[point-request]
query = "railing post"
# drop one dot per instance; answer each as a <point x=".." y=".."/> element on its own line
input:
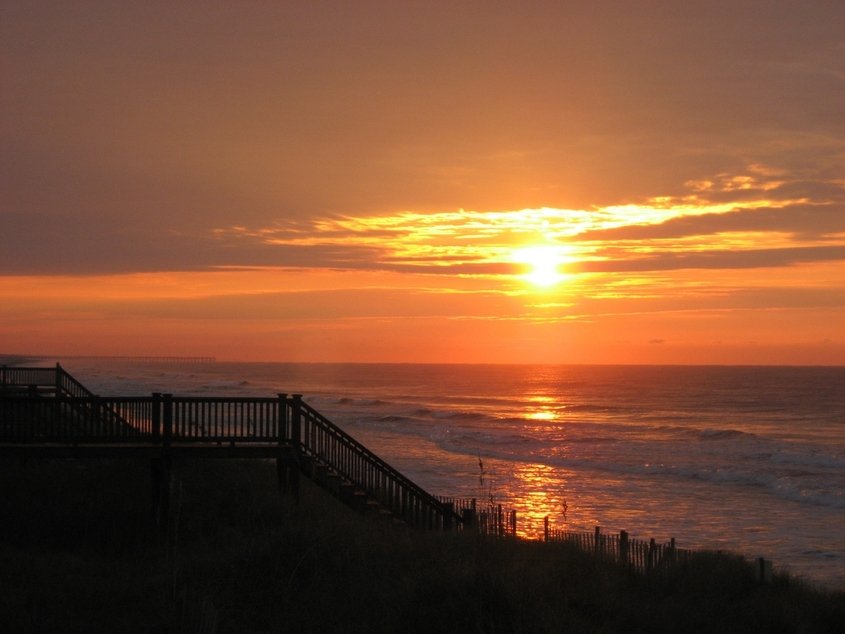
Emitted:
<point x="156" y="417"/>
<point x="97" y="425"/>
<point x="597" y="541"/>
<point x="167" y="401"/>
<point x="546" y="528"/>
<point x="282" y="419"/>
<point x="296" y="421"/>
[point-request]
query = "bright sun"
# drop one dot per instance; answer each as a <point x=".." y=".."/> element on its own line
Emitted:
<point x="544" y="262"/>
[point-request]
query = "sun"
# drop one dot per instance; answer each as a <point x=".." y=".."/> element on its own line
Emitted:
<point x="544" y="263"/>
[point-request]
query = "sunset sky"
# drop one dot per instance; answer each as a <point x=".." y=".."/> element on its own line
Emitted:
<point x="563" y="182"/>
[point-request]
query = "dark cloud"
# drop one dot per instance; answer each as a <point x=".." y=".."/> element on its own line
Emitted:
<point x="716" y="259"/>
<point x="804" y="220"/>
<point x="60" y="245"/>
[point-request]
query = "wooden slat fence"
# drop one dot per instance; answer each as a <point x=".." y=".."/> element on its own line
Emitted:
<point x="642" y="556"/>
<point x="485" y="519"/>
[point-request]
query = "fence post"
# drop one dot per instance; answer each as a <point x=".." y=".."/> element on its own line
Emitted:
<point x="597" y="541"/>
<point x="764" y="570"/>
<point x="58" y="379"/>
<point x="623" y="547"/>
<point x="168" y="418"/>
<point x="652" y="549"/>
<point x="513" y="522"/>
<point x="469" y="517"/>
<point x="546" y="528"/>
<point x="672" y="551"/>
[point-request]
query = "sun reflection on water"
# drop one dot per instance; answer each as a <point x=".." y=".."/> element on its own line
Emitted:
<point x="538" y="491"/>
<point x="543" y="408"/>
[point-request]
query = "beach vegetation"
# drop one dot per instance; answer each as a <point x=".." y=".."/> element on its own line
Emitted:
<point x="80" y="552"/>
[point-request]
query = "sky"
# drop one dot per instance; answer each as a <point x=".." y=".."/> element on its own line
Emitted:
<point x="439" y="182"/>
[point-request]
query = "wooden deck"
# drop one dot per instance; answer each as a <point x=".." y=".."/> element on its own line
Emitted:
<point x="50" y="450"/>
<point x="46" y="413"/>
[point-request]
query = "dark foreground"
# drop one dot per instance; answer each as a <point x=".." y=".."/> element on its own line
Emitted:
<point x="79" y="552"/>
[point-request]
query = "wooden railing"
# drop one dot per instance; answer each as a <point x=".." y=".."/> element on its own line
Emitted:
<point x="75" y="415"/>
<point x="322" y="440"/>
<point x="21" y="379"/>
<point x="66" y="385"/>
<point x="221" y="419"/>
<point x="64" y="419"/>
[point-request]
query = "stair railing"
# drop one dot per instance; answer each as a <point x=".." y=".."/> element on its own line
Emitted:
<point x="321" y="440"/>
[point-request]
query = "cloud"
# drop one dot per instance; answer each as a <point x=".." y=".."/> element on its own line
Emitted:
<point x="715" y="259"/>
<point x="808" y="221"/>
<point x="131" y="135"/>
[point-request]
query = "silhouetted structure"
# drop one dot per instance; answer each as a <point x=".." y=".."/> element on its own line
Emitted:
<point x="45" y="412"/>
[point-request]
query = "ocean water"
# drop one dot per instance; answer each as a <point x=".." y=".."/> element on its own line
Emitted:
<point x="750" y="459"/>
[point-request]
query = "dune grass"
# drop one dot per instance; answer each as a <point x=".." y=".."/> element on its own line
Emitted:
<point x="79" y="552"/>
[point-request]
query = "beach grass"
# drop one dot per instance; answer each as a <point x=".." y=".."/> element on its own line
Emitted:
<point x="80" y="552"/>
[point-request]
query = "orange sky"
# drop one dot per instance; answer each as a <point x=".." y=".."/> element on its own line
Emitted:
<point x="424" y="182"/>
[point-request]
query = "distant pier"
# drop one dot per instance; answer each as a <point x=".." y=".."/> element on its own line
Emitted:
<point x="147" y="359"/>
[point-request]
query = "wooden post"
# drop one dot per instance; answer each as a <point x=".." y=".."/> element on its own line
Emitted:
<point x="546" y="528"/>
<point x="513" y="522"/>
<point x="763" y="570"/>
<point x="58" y="379"/>
<point x="282" y="419"/>
<point x="672" y="551"/>
<point x="597" y="541"/>
<point x="652" y="550"/>
<point x="296" y="421"/>
<point x="468" y="516"/>
<point x="167" y="415"/>
<point x="155" y="421"/>
<point x="623" y="547"/>
<point x="97" y="423"/>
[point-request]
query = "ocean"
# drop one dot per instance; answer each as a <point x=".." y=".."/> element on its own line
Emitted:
<point x="749" y="459"/>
